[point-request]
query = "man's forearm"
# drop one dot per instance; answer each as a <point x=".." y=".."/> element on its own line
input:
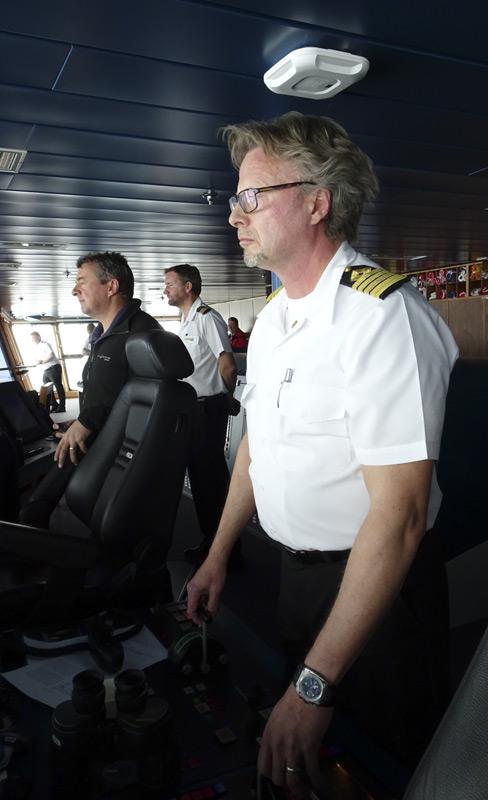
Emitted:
<point x="375" y="571"/>
<point x="377" y="566"/>
<point x="239" y="505"/>
<point x="228" y="371"/>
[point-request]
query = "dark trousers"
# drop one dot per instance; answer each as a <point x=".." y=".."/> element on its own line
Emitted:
<point x="54" y="375"/>
<point x="207" y="466"/>
<point x="397" y="689"/>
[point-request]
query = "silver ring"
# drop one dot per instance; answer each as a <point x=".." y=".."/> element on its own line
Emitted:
<point x="72" y="448"/>
<point x="292" y="769"/>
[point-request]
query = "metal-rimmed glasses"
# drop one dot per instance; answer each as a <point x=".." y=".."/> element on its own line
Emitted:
<point x="248" y="198"/>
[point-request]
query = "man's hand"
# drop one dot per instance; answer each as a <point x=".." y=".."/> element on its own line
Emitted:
<point x="290" y="745"/>
<point x="207" y="583"/>
<point x="71" y="442"/>
<point x="60" y="428"/>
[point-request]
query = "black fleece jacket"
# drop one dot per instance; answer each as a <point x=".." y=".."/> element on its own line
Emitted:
<point x="107" y="370"/>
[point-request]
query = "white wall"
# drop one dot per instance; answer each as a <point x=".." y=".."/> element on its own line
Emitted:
<point x="246" y="311"/>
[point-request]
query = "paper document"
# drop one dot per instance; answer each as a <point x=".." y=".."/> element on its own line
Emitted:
<point x="50" y="680"/>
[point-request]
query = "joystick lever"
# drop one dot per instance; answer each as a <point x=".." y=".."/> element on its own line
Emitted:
<point x="206" y="618"/>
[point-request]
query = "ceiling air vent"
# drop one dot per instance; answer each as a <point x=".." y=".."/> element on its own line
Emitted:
<point x="11" y="160"/>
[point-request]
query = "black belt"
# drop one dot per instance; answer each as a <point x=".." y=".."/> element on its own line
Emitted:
<point x="316" y="556"/>
<point x="208" y="398"/>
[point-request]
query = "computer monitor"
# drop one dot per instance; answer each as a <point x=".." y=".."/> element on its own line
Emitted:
<point x="20" y="415"/>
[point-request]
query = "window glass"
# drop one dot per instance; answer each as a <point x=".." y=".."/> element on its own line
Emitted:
<point x="74" y="368"/>
<point x="73" y="336"/>
<point x="5" y="372"/>
<point x="22" y="334"/>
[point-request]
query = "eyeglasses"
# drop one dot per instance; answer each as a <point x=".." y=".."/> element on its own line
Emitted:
<point x="248" y="198"/>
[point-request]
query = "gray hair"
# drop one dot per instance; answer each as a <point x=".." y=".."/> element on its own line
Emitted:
<point x="324" y="154"/>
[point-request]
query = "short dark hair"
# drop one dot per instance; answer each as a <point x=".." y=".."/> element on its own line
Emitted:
<point x="234" y="319"/>
<point x="187" y="272"/>
<point x="111" y="265"/>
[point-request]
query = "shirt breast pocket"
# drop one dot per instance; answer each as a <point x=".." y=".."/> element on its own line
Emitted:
<point x="193" y="344"/>
<point x="313" y="428"/>
<point x="313" y="405"/>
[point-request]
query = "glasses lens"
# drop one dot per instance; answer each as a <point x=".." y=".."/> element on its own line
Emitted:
<point x="233" y="202"/>
<point x="248" y="200"/>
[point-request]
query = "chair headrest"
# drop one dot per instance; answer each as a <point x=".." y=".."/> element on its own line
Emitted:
<point x="158" y="354"/>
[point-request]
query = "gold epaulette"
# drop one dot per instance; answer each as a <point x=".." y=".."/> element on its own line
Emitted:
<point x="203" y="309"/>
<point x="376" y="282"/>
<point x="273" y="294"/>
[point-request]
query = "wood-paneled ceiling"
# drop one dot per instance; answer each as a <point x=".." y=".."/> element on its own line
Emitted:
<point x="119" y="104"/>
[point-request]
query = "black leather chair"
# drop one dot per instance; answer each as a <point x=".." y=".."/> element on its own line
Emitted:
<point x="108" y="538"/>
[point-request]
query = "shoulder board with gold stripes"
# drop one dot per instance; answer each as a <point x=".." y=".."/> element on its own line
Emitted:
<point x="273" y="294"/>
<point x="203" y="309"/>
<point x="376" y="282"/>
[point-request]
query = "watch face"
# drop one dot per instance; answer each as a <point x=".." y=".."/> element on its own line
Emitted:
<point x="310" y="687"/>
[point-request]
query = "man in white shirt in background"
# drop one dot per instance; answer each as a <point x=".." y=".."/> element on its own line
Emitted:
<point x="52" y="370"/>
<point x="204" y="333"/>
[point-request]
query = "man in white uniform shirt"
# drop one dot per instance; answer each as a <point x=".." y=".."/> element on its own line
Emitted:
<point x="52" y="370"/>
<point x="204" y="334"/>
<point x="348" y="369"/>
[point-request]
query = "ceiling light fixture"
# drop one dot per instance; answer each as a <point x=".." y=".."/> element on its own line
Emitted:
<point x="315" y="73"/>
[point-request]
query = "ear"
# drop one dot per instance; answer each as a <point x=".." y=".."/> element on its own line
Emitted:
<point x="322" y="203"/>
<point x="113" y="287"/>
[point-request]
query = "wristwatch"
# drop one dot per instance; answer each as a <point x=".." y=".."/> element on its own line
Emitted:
<point x="312" y="687"/>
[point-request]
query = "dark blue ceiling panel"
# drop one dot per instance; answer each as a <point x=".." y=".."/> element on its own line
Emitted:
<point x="128" y="149"/>
<point x="25" y="182"/>
<point x="417" y="25"/>
<point x="14" y="135"/>
<point x="20" y="53"/>
<point x="159" y="83"/>
<point x="87" y="168"/>
<point x="109" y="116"/>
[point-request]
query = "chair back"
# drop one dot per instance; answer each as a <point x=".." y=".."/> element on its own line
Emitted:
<point x="127" y="488"/>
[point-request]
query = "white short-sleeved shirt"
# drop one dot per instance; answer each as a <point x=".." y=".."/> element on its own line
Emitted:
<point x="204" y="333"/>
<point x="44" y="350"/>
<point x="337" y="380"/>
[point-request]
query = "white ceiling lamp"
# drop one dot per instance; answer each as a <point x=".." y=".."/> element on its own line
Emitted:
<point x="314" y="73"/>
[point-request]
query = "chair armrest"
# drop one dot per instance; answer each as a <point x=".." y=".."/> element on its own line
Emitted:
<point x="53" y="549"/>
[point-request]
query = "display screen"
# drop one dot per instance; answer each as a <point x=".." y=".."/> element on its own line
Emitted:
<point x="20" y="415"/>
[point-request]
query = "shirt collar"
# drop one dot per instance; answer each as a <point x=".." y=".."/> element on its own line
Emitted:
<point x="325" y="292"/>
<point x="193" y="310"/>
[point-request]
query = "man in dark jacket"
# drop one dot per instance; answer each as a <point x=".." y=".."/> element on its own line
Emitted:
<point x="104" y="287"/>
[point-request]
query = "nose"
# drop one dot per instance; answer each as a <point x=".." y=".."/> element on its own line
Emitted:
<point x="237" y="216"/>
<point x="74" y="290"/>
